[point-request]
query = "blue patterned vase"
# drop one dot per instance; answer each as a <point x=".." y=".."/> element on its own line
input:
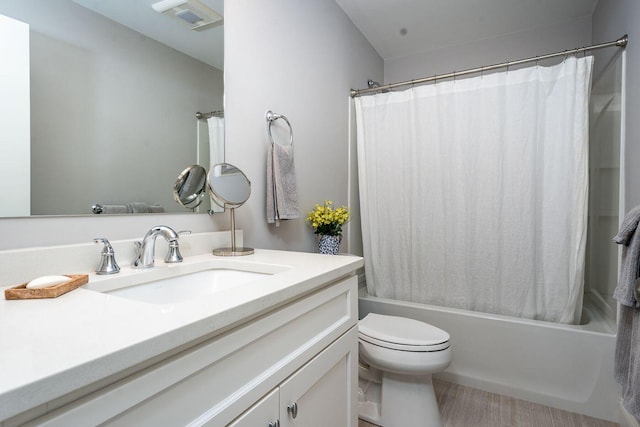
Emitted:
<point x="329" y="244"/>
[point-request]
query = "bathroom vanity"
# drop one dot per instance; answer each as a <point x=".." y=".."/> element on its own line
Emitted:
<point x="278" y="349"/>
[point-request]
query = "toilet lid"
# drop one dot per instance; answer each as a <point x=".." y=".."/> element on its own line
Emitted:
<point x="401" y="332"/>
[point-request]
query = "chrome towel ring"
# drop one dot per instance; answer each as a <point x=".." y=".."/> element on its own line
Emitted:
<point x="272" y="117"/>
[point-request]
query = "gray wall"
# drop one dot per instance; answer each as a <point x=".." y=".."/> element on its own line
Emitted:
<point x="612" y="19"/>
<point x="296" y="58"/>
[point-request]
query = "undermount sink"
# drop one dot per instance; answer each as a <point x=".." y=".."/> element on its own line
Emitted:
<point x="187" y="287"/>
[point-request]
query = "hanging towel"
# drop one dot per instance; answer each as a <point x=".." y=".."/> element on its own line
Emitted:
<point x="627" y="356"/>
<point x="138" y="207"/>
<point x="282" y="195"/>
<point x="626" y="292"/>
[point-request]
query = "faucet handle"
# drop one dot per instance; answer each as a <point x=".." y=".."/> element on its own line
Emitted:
<point x="108" y="264"/>
<point x="173" y="255"/>
<point x="137" y="261"/>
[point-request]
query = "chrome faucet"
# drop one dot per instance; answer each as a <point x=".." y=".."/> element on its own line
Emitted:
<point x="145" y="250"/>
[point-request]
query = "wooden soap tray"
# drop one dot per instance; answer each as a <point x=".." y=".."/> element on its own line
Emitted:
<point x="21" y="291"/>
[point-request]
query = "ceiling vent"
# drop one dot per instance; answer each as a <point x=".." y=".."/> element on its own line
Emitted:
<point x="193" y="14"/>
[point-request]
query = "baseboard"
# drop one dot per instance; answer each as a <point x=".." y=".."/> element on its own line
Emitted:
<point x="626" y="419"/>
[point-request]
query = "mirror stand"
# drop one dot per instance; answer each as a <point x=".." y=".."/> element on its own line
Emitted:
<point x="233" y="250"/>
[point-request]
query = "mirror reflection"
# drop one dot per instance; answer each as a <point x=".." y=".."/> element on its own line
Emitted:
<point x="111" y="111"/>
<point x="189" y="189"/>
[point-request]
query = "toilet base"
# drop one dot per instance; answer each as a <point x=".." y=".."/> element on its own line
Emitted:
<point x="400" y="401"/>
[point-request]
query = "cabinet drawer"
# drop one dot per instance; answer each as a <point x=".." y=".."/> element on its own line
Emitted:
<point x="222" y="377"/>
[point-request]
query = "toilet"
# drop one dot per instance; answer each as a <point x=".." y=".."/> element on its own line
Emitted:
<point x="397" y="358"/>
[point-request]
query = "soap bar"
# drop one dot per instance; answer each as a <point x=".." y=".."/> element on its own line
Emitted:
<point x="47" y="281"/>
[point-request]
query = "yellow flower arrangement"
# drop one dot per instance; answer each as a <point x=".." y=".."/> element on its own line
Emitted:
<point x="326" y="220"/>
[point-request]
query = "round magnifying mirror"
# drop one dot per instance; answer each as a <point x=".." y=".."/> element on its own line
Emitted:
<point x="229" y="188"/>
<point x="229" y="185"/>
<point x="189" y="189"/>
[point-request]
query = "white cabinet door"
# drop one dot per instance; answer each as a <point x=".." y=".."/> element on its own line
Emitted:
<point x="265" y="413"/>
<point x="322" y="393"/>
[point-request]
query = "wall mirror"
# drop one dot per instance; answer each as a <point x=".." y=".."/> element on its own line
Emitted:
<point x="112" y="92"/>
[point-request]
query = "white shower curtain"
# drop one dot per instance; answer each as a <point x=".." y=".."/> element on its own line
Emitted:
<point x="474" y="192"/>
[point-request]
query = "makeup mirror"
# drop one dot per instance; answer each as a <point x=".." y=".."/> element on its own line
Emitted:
<point x="189" y="189"/>
<point x="230" y="188"/>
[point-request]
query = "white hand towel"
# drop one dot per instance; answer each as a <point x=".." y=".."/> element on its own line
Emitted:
<point x="282" y="194"/>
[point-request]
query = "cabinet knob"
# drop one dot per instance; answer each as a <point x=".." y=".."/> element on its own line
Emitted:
<point x="292" y="409"/>
<point x="275" y="423"/>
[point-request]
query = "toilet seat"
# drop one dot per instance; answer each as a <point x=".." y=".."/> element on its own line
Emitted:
<point x="399" y="333"/>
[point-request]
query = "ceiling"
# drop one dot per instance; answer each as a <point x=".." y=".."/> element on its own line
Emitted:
<point x="206" y="45"/>
<point x="398" y="28"/>
<point x="395" y="28"/>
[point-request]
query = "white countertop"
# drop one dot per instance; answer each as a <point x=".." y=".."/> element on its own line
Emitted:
<point x="50" y="347"/>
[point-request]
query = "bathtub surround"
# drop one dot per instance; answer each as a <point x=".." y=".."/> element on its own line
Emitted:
<point x="489" y="212"/>
<point x="627" y="361"/>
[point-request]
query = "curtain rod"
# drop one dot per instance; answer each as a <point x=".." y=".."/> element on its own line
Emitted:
<point x="204" y="116"/>
<point x="621" y="42"/>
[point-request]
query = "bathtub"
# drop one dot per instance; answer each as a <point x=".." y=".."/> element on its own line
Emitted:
<point x="564" y="366"/>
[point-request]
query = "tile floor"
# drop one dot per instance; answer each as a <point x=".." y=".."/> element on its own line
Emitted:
<point x="468" y="407"/>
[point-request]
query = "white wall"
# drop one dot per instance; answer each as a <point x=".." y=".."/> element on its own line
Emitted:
<point x="297" y="58"/>
<point x="554" y="38"/>
<point x="612" y="19"/>
<point x="14" y="117"/>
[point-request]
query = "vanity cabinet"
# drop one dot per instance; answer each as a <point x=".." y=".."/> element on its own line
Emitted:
<point x="318" y="394"/>
<point x="303" y="352"/>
